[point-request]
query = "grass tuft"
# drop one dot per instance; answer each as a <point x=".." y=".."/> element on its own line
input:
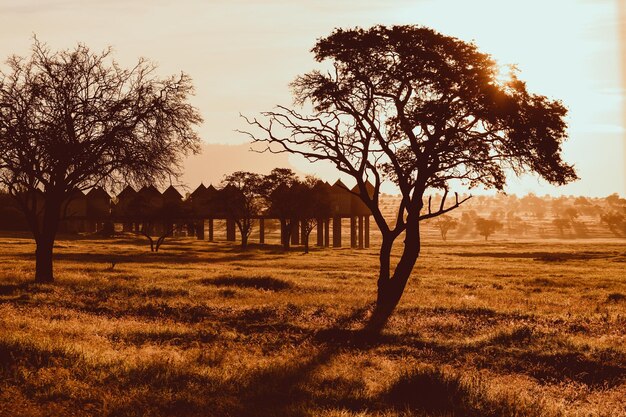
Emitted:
<point x="616" y="297"/>
<point x="266" y="283"/>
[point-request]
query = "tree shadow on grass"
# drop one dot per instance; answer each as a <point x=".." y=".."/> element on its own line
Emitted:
<point x="293" y="389"/>
<point x="262" y="282"/>
<point x="283" y="390"/>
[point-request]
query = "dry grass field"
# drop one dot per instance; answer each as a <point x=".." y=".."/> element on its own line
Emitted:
<point x="498" y="328"/>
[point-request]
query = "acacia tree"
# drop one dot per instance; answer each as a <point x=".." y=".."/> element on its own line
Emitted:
<point x="74" y="119"/>
<point x="424" y="110"/>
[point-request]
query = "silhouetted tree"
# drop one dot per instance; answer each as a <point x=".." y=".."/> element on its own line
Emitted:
<point x="155" y="224"/>
<point x="11" y="217"/>
<point x="572" y="214"/>
<point x="146" y="229"/>
<point x="445" y="223"/>
<point x="421" y="109"/>
<point x="585" y="207"/>
<point x="313" y="205"/>
<point x="487" y="227"/>
<point x="242" y="200"/>
<point x="295" y="202"/>
<point x="74" y="119"/>
<point x="282" y="200"/>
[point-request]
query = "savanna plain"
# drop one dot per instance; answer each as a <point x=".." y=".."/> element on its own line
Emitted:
<point x="502" y="328"/>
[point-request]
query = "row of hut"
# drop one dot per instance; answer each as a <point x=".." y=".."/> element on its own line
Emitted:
<point x="152" y="212"/>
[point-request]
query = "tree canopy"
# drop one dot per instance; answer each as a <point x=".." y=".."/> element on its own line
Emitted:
<point x="421" y="109"/>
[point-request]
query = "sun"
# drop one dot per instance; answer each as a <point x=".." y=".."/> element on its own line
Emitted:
<point x="506" y="73"/>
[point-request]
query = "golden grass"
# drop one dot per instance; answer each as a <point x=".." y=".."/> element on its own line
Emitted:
<point x="484" y="329"/>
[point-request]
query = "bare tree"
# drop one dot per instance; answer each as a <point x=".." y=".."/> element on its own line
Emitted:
<point x="74" y="119"/>
<point x="423" y="110"/>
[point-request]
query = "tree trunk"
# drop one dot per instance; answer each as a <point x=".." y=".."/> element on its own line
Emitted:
<point x="244" y="230"/>
<point x="45" y="240"/>
<point x="391" y="288"/>
<point x="168" y="232"/>
<point x="285" y="233"/>
<point x="144" y="232"/>
<point x="305" y="238"/>
<point x="43" y="260"/>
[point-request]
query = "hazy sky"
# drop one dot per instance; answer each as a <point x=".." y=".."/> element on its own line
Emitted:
<point x="242" y="54"/>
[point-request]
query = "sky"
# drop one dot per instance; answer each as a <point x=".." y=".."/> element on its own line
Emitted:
<point x="242" y="54"/>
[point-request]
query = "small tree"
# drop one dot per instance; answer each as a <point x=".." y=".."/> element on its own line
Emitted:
<point x="282" y="200"/>
<point x="241" y="197"/>
<point x="313" y="205"/>
<point x="73" y="120"/>
<point x="487" y="227"/>
<point x="561" y="225"/>
<point x="445" y="223"/>
<point x="421" y="109"/>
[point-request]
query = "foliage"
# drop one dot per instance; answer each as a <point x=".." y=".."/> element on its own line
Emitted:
<point x="410" y="105"/>
<point x="296" y="202"/>
<point x="241" y="199"/>
<point x="487" y="227"/>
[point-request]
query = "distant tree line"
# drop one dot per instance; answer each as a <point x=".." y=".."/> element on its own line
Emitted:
<point x="244" y="197"/>
<point x="282" y="195"/>
<point x="531" y="215"/>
